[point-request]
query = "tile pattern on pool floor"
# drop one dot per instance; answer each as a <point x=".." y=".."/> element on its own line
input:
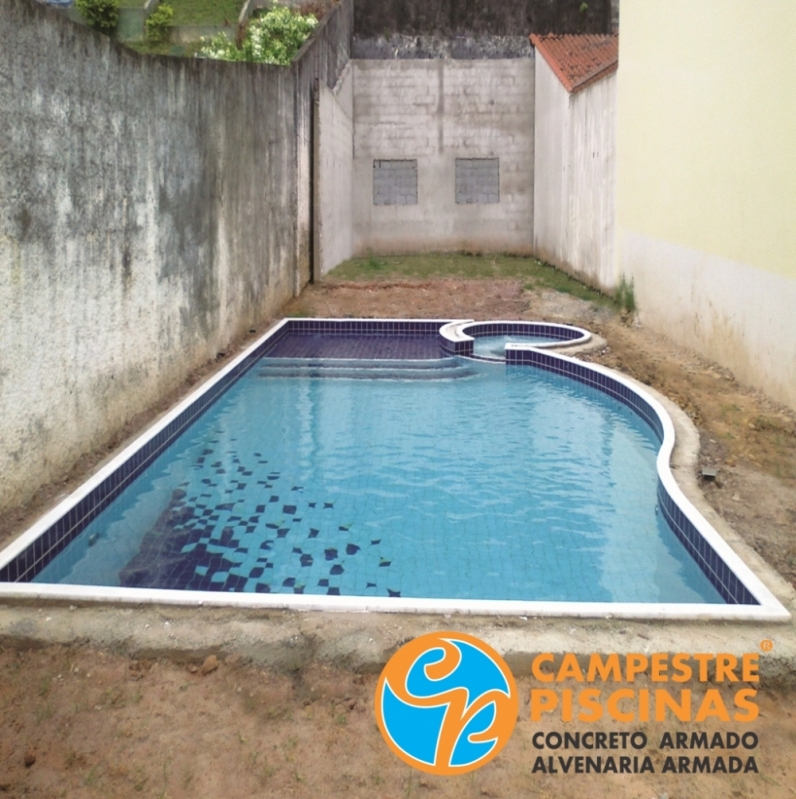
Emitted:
<point x="199" y="545"/>
<point x="208" y="513"/>
<point x="311" y="486"/>
<point x="319" y="345"/>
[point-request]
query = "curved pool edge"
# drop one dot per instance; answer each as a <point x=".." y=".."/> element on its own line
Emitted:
<point x="458" y="336"/>
<point x="169" y="426"/>
<point x="678" y="509"/>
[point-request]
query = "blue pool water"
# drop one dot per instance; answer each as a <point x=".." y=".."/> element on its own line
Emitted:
<point x="495" y="346"/>
<point x="451" y="478"/>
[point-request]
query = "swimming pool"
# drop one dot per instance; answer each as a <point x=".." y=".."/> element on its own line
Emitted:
<point x="289" y="483"/>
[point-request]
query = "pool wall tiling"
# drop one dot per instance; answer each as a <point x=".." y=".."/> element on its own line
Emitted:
<point x="458" y="337"/>
<point x="745" y="594"/>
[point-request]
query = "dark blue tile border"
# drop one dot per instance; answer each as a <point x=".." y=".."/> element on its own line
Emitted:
<point x="732" y="590"/>
<point x="475" y="330"/>
<point x="39" y="553"/>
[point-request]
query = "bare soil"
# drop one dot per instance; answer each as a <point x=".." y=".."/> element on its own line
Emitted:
<point x="95" y="724"/>
<point x="79" y="722"/>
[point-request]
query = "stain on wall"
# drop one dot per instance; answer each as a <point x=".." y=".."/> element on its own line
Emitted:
<point x="148" y="216"/>
<point x="490" y="17"/>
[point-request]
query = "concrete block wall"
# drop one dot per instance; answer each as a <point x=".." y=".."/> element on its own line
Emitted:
<point x="395" y="182"/>
<point x="478" y="180"/>
<point x="435" y="112"/>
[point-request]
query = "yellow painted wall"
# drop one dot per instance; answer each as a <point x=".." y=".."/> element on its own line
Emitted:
<point x="706" y="139"/>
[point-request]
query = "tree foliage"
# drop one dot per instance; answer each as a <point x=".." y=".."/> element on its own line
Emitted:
<point x="273" y="38"/>
<point x="102" y="15"/>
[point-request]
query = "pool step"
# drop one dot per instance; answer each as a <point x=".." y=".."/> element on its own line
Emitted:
<point x="441" y="369"/>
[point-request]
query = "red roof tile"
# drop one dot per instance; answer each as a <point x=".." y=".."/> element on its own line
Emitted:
<point x="579" y="60"/>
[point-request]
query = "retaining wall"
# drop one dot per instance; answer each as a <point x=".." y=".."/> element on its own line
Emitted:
<point x="152" y="210"/>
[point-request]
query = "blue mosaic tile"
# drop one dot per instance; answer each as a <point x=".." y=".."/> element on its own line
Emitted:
<point x="190" y="562"/>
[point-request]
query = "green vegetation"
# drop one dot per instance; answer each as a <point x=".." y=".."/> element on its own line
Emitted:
<point x="102" y="15"/>
<point x="206" y="12"/>
<point x="273" y="38"/>
<point x="158" y="25"/>
<point x="536" y="275"/>
<point x="165" y="48"/>
<point x="625" y="296"/>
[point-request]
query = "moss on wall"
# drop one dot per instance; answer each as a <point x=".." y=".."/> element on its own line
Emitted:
<point x="492" y="17"/>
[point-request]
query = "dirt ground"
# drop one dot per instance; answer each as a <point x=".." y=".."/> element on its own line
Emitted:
<point x="94" y="724"/>
<point x="78" y="722"/>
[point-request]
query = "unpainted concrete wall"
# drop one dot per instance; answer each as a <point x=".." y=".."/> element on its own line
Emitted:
<point x="148" y="216"/>
<point x="322" y="59"/>
<point x="437" y="111"/>
<point x="334" y="160"/>
<point x="574" y="177"/>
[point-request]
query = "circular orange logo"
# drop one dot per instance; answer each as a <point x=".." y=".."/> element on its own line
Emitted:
<point x="446" y="703"/>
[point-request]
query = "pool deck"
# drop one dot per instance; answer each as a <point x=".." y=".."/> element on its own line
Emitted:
<point x="288" y="640"/>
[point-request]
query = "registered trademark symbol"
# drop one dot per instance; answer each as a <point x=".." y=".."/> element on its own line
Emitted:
<point x="766" y="645"/>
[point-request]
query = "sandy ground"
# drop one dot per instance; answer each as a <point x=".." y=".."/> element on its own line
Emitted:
<point x="99" y="725"/>
<point x="80" y="722"/>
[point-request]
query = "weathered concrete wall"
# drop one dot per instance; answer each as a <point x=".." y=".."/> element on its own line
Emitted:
<point x="497" y="17"/>
<point x="550" y="153"/>
<point x="147" y="218"/>
<point x="706" y="180"/>
<point x="334" y="160"/>
<point x="322" y="58"/>
<point x="402" y="45"/>
<point x="574" y="176"/>
<point x="435" y="112"/>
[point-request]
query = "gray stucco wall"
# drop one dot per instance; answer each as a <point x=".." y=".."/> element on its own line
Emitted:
<point x="435" y="111"/>
<point x="334" y="139"/>
<point x="148" y="216"/>
<point x="322" y="59"/>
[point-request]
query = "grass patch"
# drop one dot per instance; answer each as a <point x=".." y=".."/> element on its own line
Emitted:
<point x="206" y="12"/>
<point x="536" y="275"/>
<point x="625" y="296"/>
<point x="165" y="48"/>
<point x="150" y="48"/>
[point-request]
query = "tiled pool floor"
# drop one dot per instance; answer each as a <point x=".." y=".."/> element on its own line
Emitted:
<point x="379" y="347"/>
<point x="467" y="480"/>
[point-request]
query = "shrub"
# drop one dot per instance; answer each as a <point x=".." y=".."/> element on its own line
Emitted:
<point x="273" y="38"/>
<point x="102" y="15"/>
<point x="158" y="24"/>
<point x="625" y="295"/>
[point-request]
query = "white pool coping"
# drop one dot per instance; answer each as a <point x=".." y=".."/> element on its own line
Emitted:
<point x="457" y="331"/>
<point x="770" y="608"/>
